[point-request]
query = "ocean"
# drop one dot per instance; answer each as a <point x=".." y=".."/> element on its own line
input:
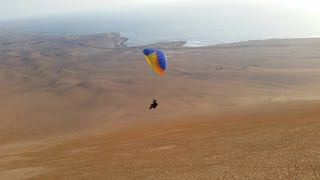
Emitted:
<point x="199" y="26"/>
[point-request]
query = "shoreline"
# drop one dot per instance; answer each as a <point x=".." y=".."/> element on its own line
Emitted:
<point x="120" y="41"/>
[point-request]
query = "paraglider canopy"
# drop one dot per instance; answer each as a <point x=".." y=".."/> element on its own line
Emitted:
<point x="157" y="59"/>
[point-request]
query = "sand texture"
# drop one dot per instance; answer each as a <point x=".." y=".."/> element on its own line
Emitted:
<point x="77" y="107"/>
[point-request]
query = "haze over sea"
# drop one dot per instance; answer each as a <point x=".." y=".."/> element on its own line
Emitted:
<point x="198" y="24"/>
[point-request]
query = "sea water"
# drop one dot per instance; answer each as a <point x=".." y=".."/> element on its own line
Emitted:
<point x="199" y="26"/>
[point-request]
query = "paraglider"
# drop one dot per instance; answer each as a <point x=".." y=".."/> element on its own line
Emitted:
<point x="158" y="61"/>
<point x="154" y="104"/>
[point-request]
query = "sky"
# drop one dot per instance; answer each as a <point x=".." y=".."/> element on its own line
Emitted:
<point x="23" y="9"/>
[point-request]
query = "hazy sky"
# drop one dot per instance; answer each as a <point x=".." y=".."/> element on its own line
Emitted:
<point x="17" y="9"/>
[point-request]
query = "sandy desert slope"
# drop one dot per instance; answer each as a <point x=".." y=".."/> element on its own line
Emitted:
<point x="241" y="111"/>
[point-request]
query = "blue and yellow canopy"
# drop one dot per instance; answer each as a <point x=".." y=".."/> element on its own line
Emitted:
<point x="157" y="59"/>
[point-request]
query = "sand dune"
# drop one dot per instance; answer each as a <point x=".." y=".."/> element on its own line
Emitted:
<point x="69" y="111"/>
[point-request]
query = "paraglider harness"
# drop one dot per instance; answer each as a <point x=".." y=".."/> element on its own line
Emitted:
<point x="154" y="104"/>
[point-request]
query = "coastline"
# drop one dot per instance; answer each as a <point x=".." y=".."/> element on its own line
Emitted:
<point x="111" y="40"/>
<point x="92" y="40"/>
